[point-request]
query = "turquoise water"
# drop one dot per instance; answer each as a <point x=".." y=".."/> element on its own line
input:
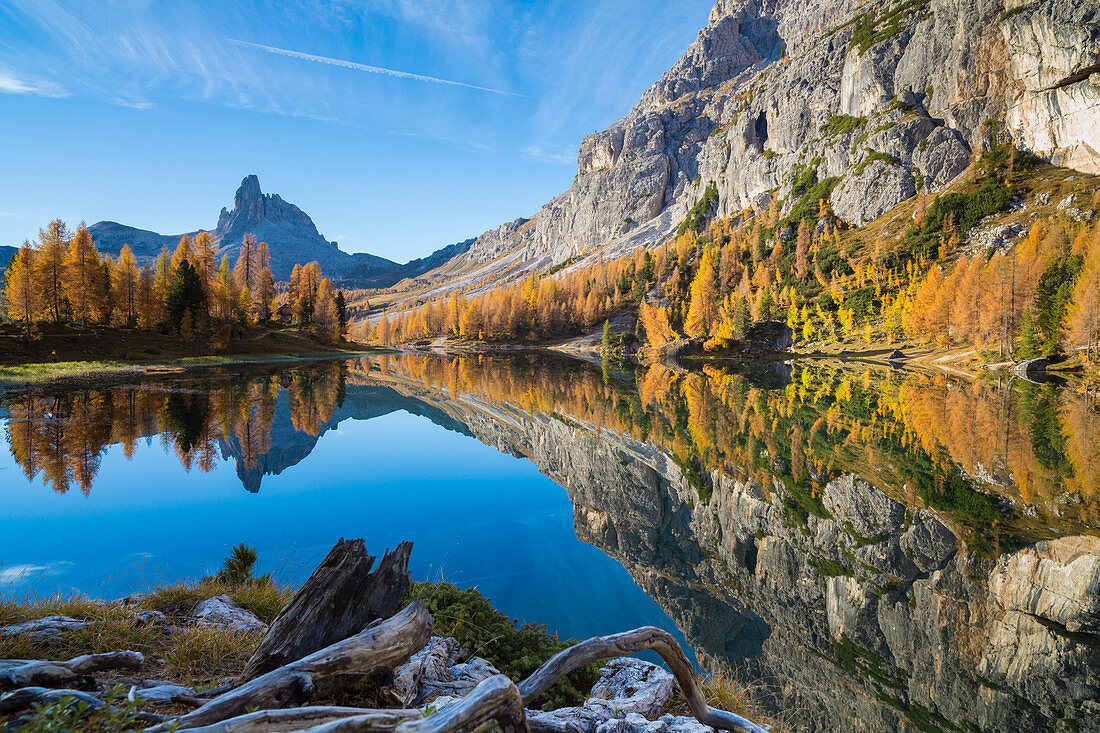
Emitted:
<point x="477" y="517"/>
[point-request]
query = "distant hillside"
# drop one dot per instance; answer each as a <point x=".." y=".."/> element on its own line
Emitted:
<point x="6" y="253"/>
<point x="290" y="232"/>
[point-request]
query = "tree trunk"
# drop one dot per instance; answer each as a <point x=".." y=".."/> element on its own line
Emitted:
<point x="338" y="600"/>
<point x="378" y="648"/>
<point x="296" y="719"/>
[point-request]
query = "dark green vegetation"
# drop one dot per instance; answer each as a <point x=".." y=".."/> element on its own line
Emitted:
<point x="876" y="26"/>
<point x="959" y="211"/>
<point x="515" y="649"/>
<point x="703" y="209"/>
<point x="1051" y="301"/>
<point x="875" y="156"/>
<point x="843" y="124"/>
<point x="238" y="567"/>
<point x="186" y="297"/>
<point x="1006" y="14"/>
<point x="810" y="192"/>
<point x="69" y="716"/>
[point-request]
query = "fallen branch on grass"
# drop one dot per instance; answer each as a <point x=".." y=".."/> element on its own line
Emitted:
<point x="378" y="648"/>
<point x="53" y="674"/>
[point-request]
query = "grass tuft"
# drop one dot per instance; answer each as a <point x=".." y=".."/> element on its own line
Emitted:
<point x="202" y="653"/>
<point x="727" y="692"/>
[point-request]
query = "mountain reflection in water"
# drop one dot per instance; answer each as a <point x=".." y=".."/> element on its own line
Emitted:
<point x="871" y="546"/>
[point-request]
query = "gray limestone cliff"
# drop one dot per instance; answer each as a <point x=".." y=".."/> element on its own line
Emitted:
<point x="772" y="88"/>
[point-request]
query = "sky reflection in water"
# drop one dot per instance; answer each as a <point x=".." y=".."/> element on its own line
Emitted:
<point x="477" y="517"/>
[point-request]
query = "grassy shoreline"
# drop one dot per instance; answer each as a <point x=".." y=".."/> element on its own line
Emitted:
<point x="44" y="373"/>
<point x="179" y="651"/>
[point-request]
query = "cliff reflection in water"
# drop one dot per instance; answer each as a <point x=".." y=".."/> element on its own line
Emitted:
<point x="872" y="547"/>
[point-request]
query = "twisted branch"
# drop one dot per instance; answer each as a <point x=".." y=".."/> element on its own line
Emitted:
<point x="626" y="644"/>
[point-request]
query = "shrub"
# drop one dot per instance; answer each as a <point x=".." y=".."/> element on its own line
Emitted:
<point x="516" y="650"/>
<point x="877" y="26"/>
<point x="699" y="213"/>
<point x="842" y="124"/>
<point x="69" y="714"/>
<point x="238" y="567"/>
<point x="807" y="205"/>
<point x="967" y="209"/>
<point x="872" y="157"/>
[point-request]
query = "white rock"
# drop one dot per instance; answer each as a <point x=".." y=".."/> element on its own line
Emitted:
<point x="629" y="685"/>
<point x="44" y="630"/>
<point x="575" y="720"/>
<point x="222" y="611"/>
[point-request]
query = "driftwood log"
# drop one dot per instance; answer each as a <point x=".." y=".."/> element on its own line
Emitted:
<point x="379" y="648"/>
<point x="318" y="645"/>
<point x="54" y="674"/>
<point x="295" y="719"/>
<point x="495" y="701"/>
<point x="338" y="600"/>
<point x="626" y="644"/>
<point x="25" y="698"/>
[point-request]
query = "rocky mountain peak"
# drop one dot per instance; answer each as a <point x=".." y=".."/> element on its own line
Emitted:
<point x="254" y="211"/>
<point x="248" y="203"/>
<point x="883" y="97"/>
<point x="290" y="233"/>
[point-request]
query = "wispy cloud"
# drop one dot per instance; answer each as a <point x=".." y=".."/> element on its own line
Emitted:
<point x="11" y="85"/>
<point x="562" y="156"/>
<point x="370" y="69"/>
<point x="19" y="574"/>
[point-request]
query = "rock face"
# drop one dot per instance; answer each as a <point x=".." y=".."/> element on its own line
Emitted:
<point x="757" y="97"/>
<point x="290" y="233"/>
<point x="864" y="197"/>
<point x="293" y="234"/>
<point x="858" y="619"/>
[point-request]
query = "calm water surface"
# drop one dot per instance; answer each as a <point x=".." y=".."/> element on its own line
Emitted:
<point x="873" y="549"/>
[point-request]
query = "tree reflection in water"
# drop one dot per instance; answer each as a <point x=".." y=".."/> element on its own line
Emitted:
<point x="62" y="437"/>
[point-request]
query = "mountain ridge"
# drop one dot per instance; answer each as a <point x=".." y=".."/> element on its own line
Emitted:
<point x="887" y="97"/>
<point x="291" y="233"/>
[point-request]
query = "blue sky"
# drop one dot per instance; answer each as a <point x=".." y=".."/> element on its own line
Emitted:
<point x="399" y="125"/>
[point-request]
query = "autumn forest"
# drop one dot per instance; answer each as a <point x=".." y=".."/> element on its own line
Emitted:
<point x="61" y="279"/>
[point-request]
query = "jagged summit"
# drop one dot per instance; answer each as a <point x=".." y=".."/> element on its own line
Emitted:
<point x="290" y="233"/>
<point x="254" y="212"/>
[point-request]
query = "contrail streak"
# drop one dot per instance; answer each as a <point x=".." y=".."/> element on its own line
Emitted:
<point x="364" y="67"/>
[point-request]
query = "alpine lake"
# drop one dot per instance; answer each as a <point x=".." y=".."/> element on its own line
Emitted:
<point x="859" y="543"/>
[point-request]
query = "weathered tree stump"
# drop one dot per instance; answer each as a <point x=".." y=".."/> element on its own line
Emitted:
<point x="382" y="646"/>
<point x="338" y="600"/>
